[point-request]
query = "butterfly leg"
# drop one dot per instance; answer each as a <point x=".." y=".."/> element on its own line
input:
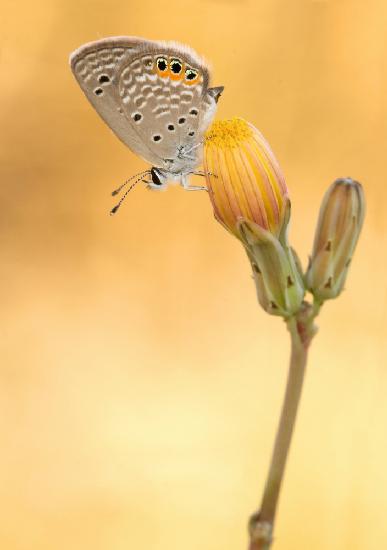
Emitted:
<point x="185" y="184"/>
<point x="204" y="174"/>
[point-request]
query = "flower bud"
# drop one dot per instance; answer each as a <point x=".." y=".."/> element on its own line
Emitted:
<point x="243" y="176"/>
<point x="338" y="229"/>
<point x="250" y="199"/>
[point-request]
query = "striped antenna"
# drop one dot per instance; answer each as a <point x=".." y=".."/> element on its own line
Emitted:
<point x="116" y="207"/>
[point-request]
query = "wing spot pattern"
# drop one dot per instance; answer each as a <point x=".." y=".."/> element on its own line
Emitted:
<point x="81" y="68"/>
<point x="140" y="101"/>
<point x="186" y="97"/>
<point x="105" y="55"/>
<point x="176" y="66"/>
<point x="104" y="79"/>
<point x="136" y="66"/>
<point x="159" y="107"/>
<point x="148" y="62"/>
<point x="162" y="111"/>
<point x="127" y="80"/>
<point x="119" y="52"/>
<point x="175" y="101"/>
<point x="162" y="64"/>
<point x="100" y="61"/>
<point x="146" y="90"/>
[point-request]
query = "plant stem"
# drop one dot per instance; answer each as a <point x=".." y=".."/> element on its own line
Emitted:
<point x="261" y="523"/>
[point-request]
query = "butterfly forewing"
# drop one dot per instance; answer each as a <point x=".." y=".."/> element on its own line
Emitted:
<point x="97" y="67"/>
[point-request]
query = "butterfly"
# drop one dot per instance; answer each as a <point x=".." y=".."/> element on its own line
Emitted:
<point x="157" y="99"/>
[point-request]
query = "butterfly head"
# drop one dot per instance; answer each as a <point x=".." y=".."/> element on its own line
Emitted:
<point x="159" y="178"/>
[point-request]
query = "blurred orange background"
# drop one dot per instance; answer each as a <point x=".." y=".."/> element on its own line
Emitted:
<point x="140" y="382"/>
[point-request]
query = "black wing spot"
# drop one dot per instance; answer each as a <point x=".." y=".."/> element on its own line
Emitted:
<point x="98" y="91"/>
<point x="194" y="112"/>
<point x="191" y="133"/>
<point x="176" y="66"/>
<point x="191" y="74"/>
<point x="137" y="117"/>
<point x="171" y="127"/>
<point x="157" y="138"/>
<point x="181" y="120"/>
<point x="162" y="64"/>
<point x="103" y="79"/>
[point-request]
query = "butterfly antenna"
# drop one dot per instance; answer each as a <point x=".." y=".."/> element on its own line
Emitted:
<point x="142" y="174"/>
<point x="116" y="207"/>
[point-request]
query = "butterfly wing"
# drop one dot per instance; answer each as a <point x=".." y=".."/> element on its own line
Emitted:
<point x="97" y="66"/>
<point x="153" y="95"/>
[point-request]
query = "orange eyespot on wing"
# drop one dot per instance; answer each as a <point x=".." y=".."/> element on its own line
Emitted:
<point x="191" y="76"/>
<point x="162" y="67"/>
<point x="176" y="69"/>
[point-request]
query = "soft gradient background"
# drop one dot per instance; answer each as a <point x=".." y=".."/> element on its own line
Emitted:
<point x="140" y="382"/>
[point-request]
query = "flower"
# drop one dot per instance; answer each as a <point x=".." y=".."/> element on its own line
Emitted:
<point x="243" y="176"/>
<point x="250" y="199"/>
<point x="340" y="221"/>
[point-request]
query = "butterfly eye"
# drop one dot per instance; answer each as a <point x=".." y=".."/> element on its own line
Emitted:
<point x="175" y="66"/>
<point x="191" y="74"/>
<point x="162" y="64"/>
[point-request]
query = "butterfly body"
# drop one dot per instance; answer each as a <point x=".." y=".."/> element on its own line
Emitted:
<point x="156" y="98"/>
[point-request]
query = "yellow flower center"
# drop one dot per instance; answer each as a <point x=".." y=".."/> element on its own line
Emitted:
<point x="229" y="133"/>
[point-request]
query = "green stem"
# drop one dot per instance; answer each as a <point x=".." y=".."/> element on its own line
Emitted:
<point x="261" y="524"/>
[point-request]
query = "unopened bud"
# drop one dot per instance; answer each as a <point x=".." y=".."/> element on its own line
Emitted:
<point x="338" y="229"/>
